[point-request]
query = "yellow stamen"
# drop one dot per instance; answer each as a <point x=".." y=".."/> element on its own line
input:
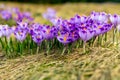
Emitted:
<point x="99" y="27"/>
<point x="84" y="29"/>
<point x="48" y="31"/>
<point x="65" y="37"/>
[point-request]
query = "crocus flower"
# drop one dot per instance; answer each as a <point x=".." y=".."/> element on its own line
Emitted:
<point x="100" y="17"/>
<point x="6" y="15"/>
<point x="101" y="28"/>
<point x="35" y="28"/>
<point x="86" y="34"/>
<point x="15" y="10"/>
<point x="19" y="17"/>
<point x="6" y="30"/>
<point x="28" y="16"/>
<point x="114" y="19"/>
<point x="22" y="26"/>
<point x="21" y="31"/>
<point x="20" y="34"/>
<point x="1" y="34"/>
<point x="37" y="38"/>
<point x="64" y="38"/>
<point x="118" y="27"/>
<point x="49" y="14"/>
<point x="49" y="32"/>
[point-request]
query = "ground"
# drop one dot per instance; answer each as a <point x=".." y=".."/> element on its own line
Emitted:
<point x="101" y="63"/>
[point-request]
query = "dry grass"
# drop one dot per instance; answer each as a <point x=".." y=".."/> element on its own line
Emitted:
<point x="99" y="64"/>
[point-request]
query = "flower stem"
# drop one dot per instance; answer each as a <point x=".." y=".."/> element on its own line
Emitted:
<point x="84" y="47"/>
<point x="64" y="49"/>
<point x="21" y="48"/>
<point x="106" y="37"/>
<point x="114" y="31"/>
<point x="37" y="50"/>
<point x="2" y="43"/>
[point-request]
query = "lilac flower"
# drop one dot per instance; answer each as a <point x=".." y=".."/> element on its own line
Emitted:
<point x="15" y="10"/>
<point x="20" y="34"/>
<point x="49" y="14"/>
<point x="37" y="37"/>
<point x="64" y="38"/>
<point x="34" y="28"/>
<point x="74" y="35"/>
<point x="100" y="17"/>
<point x="21" y="31"/>
<point x="19" y="17"/>
<point x="27" y="15"/>
<point x="114" y="19"/>
<point x="49" y="32"/>
<point x="1" y="34"/>
<point x="6" y="30"/>
<point x="22" y="25"/>
<point x="118" y="27"/>
<point x="23" y="16"/>
<point x="86" y="34"/>
<point x="6" y="15"/>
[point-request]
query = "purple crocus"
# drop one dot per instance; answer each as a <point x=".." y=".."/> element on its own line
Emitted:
<point x="6" y="15"/>
<point x="35" y="30"/>
<point x="100" y="17"/>
<point x="1" y="34"/>
<point x="114" y="19"/>
<point x="86" y="34"/>
<point x="22" y="26"/>
<point x="20" y="34"/>
<point x="6" y="30"/>
<point x="15" y="10"/>
<point x="64" y="38"/>
<point x="101" y="28"/>
<point x="37" y="37"/>
<point x="21" y="31"/>
<point x="20" y="16"/>
<point x="49" y="14"/>
<point x="49" y="32"/>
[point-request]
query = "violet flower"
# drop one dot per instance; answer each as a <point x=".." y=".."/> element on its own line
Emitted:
<point x="49" y="32"/>
<point x="20" y="34"/>
<point x="100" y="17"/>
<point x="64" y="38"/>
<point x="86" y="34"/>
<point x="6" y="15"/>
<point x="114" y="19"/>
<point x="49" y="14"/>
<point x="6" y="30"/>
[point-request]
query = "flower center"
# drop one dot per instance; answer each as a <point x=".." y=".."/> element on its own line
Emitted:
<point x="65" y="37"/>
<point x="48" y="31"/>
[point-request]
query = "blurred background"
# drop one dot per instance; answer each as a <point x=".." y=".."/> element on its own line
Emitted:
<point x="60" y="1"/>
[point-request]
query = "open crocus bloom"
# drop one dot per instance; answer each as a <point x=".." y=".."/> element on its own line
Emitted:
<point x="100" y="17"/>
<point x="37" y="38"/>
<point x="6" y="15"/>
<point x="6" y="30"/>
<point x="20" y="33"/>
<point x="22" y="25"/>
<point x="49" y="32"/>
<point x="86" y="34"/>
<point x="64" y="38"/>
<point x="49" y="14"/>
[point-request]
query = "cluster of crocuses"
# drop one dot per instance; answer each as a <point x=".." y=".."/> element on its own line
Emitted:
<point x="76" y="32"/>
<point x="8" y="13"/>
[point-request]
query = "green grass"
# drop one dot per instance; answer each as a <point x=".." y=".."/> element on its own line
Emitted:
<point x="99" y="64"/>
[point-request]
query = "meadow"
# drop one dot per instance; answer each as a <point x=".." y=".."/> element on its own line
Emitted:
<point x="100" y="63"/>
